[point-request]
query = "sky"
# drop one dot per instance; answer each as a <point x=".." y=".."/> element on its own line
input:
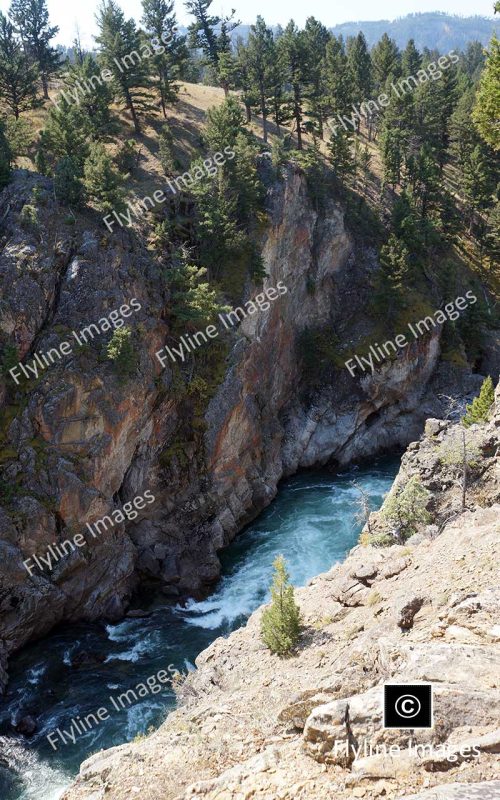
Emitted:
<point x="70" y="13"/>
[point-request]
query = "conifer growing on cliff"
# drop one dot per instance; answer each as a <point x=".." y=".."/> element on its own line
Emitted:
<point x="479" y="410"/>
<point x="281" y="622"/>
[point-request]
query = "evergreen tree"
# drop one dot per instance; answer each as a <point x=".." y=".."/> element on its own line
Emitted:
<point x="169" y="47"/>
<point x="393" y="277"/>
<point x="260" y="57"/>
<point x="340" y="147"/>
<point x="102" y="181"/>
<point x="216" y="46"/>
<point x="83" y="81"/>
<point x="411" y="60"/>
<point x="166" y="150"/>
<point x="277" y="81"/>
<point x="68" y="186"/>
<point x="386" y="61"/>
<point x="242" y="78"/>
<point x="120" y="351"/>
<point x="18" y="76"/>
<point x="293" y="47"/>
<point x="281" y="621"/>
<point x="337" y="77"/>
<point x="359" y="63"/>
<point x="224" y="123"/>
<point x="64" y="134"/>
<point x="486" y="114"/>
<point x="436" y="101"/>
<point x="480" y="409"/>
<point x="121" y="53"/>
<point x="31" y="19"/>
<point x="405" y="509"/>
<point x="316" y="38"/>
<point x="423" y="174"/>
<point x="5" y="158"/>
<point x="41" y="159"/>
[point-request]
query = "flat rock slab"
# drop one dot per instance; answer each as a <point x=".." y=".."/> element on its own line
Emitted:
<point x="486" y="790"/>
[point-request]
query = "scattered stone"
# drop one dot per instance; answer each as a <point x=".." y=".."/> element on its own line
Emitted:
<point x="408" y="611"/>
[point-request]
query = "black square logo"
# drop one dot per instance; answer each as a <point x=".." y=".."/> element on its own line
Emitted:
<point x="407" y="705"/>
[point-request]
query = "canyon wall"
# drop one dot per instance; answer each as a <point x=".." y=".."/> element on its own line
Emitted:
<point x="79" y="441"/>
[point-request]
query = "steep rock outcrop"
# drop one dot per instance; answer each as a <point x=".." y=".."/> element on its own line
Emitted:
<point x="310" y="726"/>
<point x="78" y="442"/>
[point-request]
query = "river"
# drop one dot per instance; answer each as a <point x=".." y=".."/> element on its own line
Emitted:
<point x="76" y="669"/>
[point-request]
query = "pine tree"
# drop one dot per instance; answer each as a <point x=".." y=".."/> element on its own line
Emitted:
<point x="18" y="76"/>
<point x="316" y="38"/>
<point x="405" y="509"/>
<point x="122" y="54"/>
<point x="226" y="65"/>
<point x="5" y="158"/>
<point x="393" y="278"/>
<point x="480" y="409"/>
<point x="385" y="58"/>
<point x="411" y="60"/>
<point x="224" y="123"/>
<point x="340" y="147"/>
<point x="83" y="81"/>
<point x="260" y="56"/>
<point x="41" y="160"/>
<point x="169" y="47"/>
<point x="65" y="135"/>
<point x="31" y="19"/>
<point x="166" y="150"/>
<point x="360" y="68"/>
<point x="102" y="181"/>
<point x="281" y="620"/>
<point x="68" y="186"/>
<point x="486" y="112"/>
<point x="204" y="35"/>
<point x="337" y="77"/>
<point x="293" y="47"/>
<point x="242" y="80"/>
<point x="120" y="351"/>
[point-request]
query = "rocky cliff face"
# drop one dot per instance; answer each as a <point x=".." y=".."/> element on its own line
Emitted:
<point x="310" y="726"/>
<point x="78" y="442"/>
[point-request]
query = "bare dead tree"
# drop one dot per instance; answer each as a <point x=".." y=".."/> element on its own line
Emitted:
<point x="363" y="512"/>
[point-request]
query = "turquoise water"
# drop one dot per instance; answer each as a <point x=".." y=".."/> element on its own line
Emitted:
<point x="311" y="522"/>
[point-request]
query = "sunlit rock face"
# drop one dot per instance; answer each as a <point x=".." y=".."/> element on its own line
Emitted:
<point x="77" y="442"/>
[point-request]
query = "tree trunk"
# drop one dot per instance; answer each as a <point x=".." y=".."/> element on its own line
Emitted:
<point x="263" y="111"/>
<point x="45" y="87"/>
<point x="297" y="115"/>
<point x="248" y="110"/>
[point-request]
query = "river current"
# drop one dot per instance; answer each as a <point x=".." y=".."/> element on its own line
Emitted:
<point x="77" y="669"/>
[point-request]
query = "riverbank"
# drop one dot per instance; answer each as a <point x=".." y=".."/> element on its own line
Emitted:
<point x="73" y="672"/>
<point x="254" y="725"/>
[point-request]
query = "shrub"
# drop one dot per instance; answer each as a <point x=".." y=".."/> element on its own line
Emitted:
<point x="281" y="622"/>
<point x="5" y="157"/>
<point x="29" y="217"/>
<point x="405" y="509"/>
<point x="121" y="351"/>
<point x="102" y="181"/>
<point x="166" y="150"/>
<point x="20" y="135"/>
<point x="479" y="410"/>
<point x="67" y="184"/>
<point x="128" y="157"/>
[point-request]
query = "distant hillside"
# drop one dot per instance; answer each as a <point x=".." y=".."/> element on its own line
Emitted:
<point x="433" y="30"/>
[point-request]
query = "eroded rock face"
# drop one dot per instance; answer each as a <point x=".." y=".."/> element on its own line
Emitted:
<point x="78" y="443"/>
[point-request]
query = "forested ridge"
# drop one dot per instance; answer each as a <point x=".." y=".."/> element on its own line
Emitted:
<point x="417" y="172"/>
